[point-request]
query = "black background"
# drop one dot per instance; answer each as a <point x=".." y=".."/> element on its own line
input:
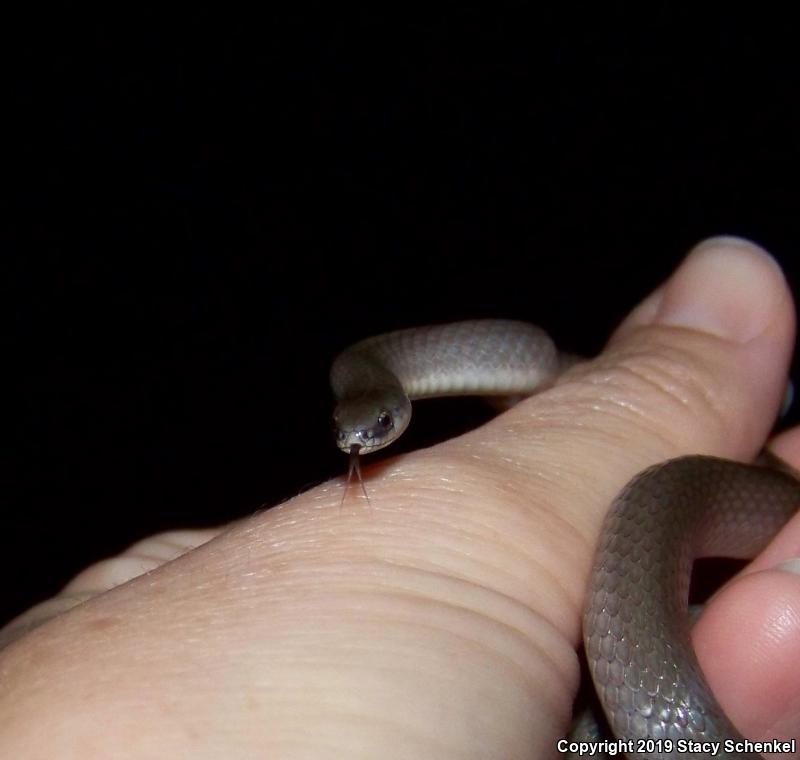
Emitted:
<point x="205" y="208"/>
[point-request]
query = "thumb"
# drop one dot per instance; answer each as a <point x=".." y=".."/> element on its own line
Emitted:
<point x="699" y="367"/>
<point x="748" y="640"/>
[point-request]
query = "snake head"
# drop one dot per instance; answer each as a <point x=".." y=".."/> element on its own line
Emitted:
<point x="371" y="421"/>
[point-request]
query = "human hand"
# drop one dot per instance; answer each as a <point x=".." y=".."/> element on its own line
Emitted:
<point x="442" y="621"/>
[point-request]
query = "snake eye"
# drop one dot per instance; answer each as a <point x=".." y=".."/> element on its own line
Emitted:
<point x="385" y="420"/>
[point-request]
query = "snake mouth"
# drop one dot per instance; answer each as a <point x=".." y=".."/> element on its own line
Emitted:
<point x="362" y="441"/>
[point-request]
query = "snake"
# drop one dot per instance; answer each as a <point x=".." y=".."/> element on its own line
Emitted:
<point x="636" y="626"/>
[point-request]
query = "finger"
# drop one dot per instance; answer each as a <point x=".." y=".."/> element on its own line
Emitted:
<point x="699" y="367"/>
<point x="748" y="640"/>
<point x="142" y="557"/>
<point x="748" y="644"/>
